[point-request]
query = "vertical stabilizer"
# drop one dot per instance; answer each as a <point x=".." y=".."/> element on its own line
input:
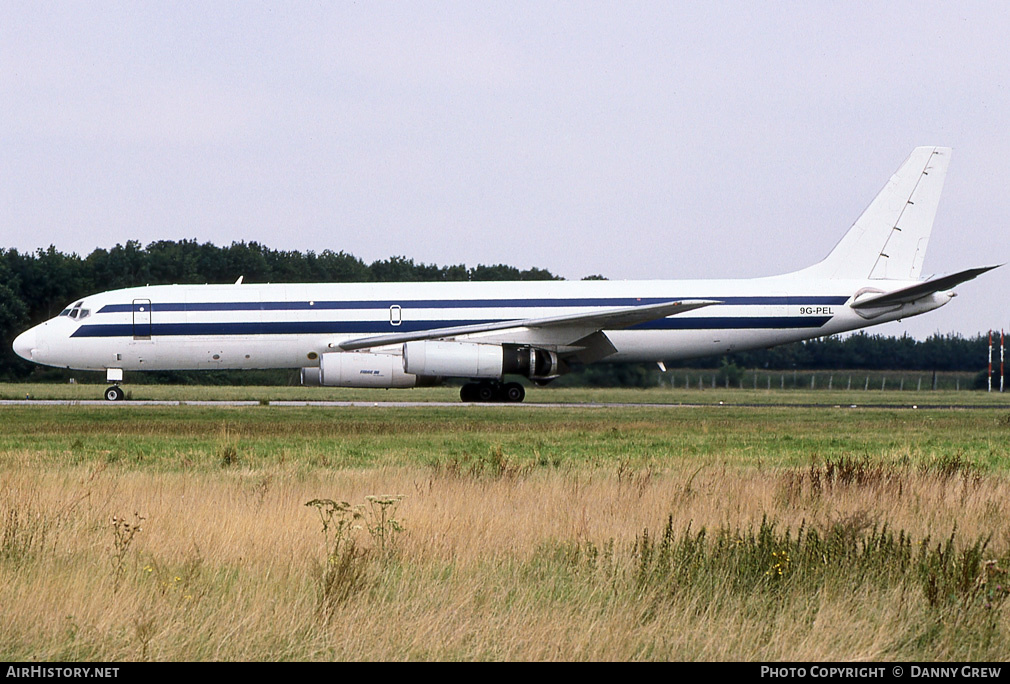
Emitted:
<point x="889" y="240"/>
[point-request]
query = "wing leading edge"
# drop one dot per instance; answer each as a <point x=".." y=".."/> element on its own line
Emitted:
<point x="581" y="324"/>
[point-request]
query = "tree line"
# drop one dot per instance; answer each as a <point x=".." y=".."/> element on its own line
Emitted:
<point x="36" y="286"/>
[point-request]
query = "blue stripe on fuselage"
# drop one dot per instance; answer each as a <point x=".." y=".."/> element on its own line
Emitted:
<point x="465" y="303"/>
<point x="365" y="327"/>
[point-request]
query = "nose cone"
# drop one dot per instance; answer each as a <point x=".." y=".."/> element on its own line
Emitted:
<point x="30" y="346"/>
<point x="25" y="344"/>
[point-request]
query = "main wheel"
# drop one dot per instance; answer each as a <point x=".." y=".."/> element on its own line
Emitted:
<point x="114" y="393"/>
<point x="486" y="392"/>
<point x="514" y="392"/>
<point x="468" y="392"/>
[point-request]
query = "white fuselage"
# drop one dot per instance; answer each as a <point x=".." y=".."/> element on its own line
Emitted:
<point x="183" y="327"/>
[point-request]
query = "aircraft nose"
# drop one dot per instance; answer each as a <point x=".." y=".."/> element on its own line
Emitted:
<point x="25" y="344"/>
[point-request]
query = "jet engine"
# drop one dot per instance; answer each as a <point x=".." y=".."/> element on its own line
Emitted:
<point x="359" y="369"/>
<point x="474" y="360"/>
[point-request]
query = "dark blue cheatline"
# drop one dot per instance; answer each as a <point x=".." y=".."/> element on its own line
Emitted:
<point x="377" y="327"/>
<point x="467" y="303"/>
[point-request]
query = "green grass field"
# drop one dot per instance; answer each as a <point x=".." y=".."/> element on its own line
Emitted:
<point x="811" y="531"/>
<point x="535" y="395"/>
<point x="168" y="437"/>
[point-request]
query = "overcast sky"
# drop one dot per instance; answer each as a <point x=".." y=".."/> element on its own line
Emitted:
<point x="632" y="140"/>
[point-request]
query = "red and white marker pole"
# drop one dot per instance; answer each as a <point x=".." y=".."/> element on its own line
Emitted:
<point x="990" y="361"/>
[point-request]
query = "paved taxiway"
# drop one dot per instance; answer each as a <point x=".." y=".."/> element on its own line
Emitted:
<point x="524" y="405"/>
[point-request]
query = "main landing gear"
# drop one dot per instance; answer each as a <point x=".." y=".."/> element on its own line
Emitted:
<point x="486" y="391"/>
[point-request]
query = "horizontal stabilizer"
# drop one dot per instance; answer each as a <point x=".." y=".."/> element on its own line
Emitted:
<point x="622" y="317"/>
<point x="918" y="290"/>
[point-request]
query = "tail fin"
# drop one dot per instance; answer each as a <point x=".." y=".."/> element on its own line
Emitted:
<point x="889" y="240"/>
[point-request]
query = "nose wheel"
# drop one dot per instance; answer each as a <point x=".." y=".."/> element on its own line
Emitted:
<point x="115" y="393"/>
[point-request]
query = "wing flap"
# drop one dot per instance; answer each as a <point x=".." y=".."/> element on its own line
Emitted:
<point x="584" y="323"/>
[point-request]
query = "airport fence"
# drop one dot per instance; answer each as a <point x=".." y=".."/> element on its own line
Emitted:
<point x="837" y="380"/>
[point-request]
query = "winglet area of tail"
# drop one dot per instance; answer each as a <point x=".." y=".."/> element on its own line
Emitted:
<point x="889" y="239"/>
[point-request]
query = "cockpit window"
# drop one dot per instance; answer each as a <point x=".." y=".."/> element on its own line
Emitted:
<point x="73" y="310"/>
<point x="76" y="312"/>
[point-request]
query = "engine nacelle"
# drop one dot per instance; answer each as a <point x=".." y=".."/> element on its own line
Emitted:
<point x="359" y="369"/>
<point x="474" y="360"/>
<point x="456" y="359"/>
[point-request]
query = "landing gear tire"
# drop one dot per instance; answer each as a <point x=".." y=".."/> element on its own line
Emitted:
<point x="115" y="393"/>
<point x="486" y="392"/>
<point x="468" y="392"/>
<point x="514" y="392"/>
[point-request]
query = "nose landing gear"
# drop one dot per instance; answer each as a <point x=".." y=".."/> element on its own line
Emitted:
<point x="115" y="393"/>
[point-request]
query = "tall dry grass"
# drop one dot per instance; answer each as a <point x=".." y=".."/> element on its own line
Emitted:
<point x="497" y="562"/>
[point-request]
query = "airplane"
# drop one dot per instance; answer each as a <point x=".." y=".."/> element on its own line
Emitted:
<point x="417" y="334"/>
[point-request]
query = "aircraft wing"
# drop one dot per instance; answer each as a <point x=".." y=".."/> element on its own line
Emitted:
<point x="582" y="324"/>
<point x="917" y="291"/>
